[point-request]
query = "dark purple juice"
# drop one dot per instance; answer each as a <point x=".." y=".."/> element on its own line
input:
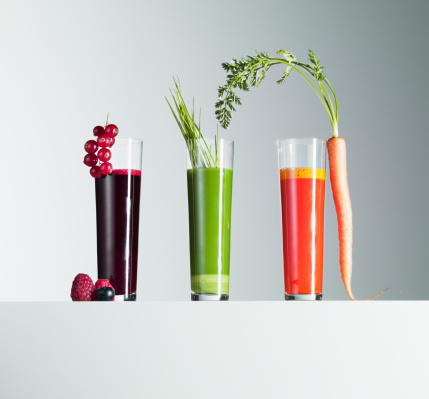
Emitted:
<point x="117" y="199"/>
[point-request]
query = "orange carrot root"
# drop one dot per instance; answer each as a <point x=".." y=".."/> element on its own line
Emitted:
<point x="375" y="296"/>
<point x="340" y="191"/>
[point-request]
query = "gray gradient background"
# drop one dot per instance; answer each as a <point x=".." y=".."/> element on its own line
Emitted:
<point x="65" y="64"/>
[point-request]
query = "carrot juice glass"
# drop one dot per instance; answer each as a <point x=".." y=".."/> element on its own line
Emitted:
<point x="302" y="186"/>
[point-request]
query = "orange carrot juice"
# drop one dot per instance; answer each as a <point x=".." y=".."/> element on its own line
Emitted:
<point x="303" y="202"/>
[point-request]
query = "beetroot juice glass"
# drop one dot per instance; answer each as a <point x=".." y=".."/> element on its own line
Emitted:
<point x="117" y="199"/>
<point x="302" y="186"/>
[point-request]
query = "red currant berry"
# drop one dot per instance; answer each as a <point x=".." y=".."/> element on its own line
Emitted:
<point x="112" y="141"/>
<point x="95" y="171"/>
<point x="91" y="146"/>
<point x="98" y="130"/>
<point x="90" y="160"/>
<point x="106" y="168"/>
<point x="103" y="140"/>
<point x="104" y="154"/>
<point x="111" y="130"/>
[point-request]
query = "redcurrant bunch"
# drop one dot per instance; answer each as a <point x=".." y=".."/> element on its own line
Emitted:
<point x="99" y="161"/>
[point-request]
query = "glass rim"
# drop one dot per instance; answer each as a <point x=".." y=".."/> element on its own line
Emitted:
<point x="127" y="140"/>
<point x="304" y="140"/>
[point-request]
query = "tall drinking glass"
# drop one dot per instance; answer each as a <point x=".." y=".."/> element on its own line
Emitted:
<point x="209" y="174"/>
<point x="302" y="185"/>
<point x="117" y="199"/>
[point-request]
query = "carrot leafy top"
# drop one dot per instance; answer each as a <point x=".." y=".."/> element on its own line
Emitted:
<point x="252" y="70"/>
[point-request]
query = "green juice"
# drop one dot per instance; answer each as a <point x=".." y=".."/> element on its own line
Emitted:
<point x="209" y="201"/>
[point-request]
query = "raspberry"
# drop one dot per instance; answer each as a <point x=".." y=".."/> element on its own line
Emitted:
<point x="82" y="288"/>
<point x="102" y="283"/>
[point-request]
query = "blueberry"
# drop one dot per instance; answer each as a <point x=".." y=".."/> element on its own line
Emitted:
<point x="104" y="294"/>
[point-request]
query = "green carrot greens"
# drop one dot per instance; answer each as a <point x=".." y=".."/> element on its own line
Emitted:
<point x="252" y="70"/>
<point x="200" y="153"/>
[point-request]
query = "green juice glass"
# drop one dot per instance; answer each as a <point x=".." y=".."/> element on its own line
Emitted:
<point x="209" y="175"/>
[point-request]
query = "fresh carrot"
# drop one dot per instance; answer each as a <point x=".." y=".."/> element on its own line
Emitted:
<point x="340" y="192"/>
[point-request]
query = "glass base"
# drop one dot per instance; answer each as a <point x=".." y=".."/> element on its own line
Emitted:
<point x="126" y="297"/>
<point x="209" y="297"/>
<point x="306" y="297"/>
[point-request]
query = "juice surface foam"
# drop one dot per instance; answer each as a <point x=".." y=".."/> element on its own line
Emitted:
<point x="133" y="172"/>
<point x="301" y="173"/>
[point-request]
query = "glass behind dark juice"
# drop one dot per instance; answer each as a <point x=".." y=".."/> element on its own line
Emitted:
<point x="118" y="209"/>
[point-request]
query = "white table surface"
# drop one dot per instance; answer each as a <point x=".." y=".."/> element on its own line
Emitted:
<point x="214" y="350"/>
